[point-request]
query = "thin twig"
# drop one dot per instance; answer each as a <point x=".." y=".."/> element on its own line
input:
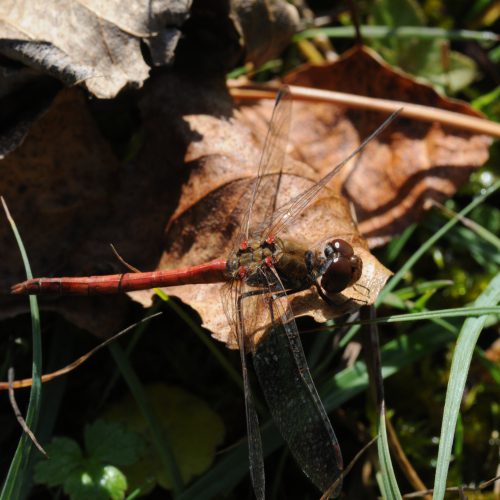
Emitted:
<point x="18" y="384"/>
<point x="331" y="490"/>
<point x="404" y="463"/>
<point x="410" y="110"/>
<point x="18" y="414"/>
<point x="454" y="489"/>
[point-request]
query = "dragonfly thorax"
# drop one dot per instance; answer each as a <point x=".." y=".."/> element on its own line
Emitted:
<point x="253" y="260"/>
<point x="335" y="264"/>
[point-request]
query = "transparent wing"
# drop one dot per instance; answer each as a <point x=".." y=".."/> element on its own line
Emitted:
<point x="233" y="299"/>
<point x="291" y="395"/>
<point x="288" y="212"/>
<point x="271" y="162"/>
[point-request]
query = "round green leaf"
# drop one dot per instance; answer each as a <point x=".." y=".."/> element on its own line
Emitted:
<point x="191" y="427"/>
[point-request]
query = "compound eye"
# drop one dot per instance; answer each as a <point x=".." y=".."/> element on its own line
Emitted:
<point x="338" y="276"/>
<point x="342" y="247"/>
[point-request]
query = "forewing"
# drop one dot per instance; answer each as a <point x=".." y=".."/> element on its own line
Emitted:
<point x="291" y="395"/>
<point x="288" y="212"/>
<point x="271" y="164"/>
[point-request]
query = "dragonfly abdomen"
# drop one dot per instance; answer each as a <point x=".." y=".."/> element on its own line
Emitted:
<point x="215" y="271"/>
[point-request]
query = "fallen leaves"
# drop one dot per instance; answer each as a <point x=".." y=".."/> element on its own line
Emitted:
<point x="403" y="170"/>
<point x="98" y="44"/>
<point x="178" y="201"/>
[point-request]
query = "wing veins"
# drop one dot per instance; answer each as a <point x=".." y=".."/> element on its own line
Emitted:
<point x="288" y="212"/>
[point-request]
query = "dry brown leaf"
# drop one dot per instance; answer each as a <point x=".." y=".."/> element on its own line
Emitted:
<point x="265" y="27"/>
<point x="396" y="176"/>
<point x="206" y="221"/>
<point x="57" y="185"/>
<point x="196" y="162"/>
<point x="208" y="226"/>
<point x="98" y="43"/>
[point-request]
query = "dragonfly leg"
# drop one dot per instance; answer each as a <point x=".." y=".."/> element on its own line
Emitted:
<point x="365" y="289"/>
<point x="333" y="303"/>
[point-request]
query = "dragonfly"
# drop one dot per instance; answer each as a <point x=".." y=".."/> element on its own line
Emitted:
<point x="260" y="273"/>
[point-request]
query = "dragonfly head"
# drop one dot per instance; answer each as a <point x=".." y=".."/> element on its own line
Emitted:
<point x="344" y="267"/>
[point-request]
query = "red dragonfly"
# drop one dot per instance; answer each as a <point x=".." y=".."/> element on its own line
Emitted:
<point x="261" y="271"/>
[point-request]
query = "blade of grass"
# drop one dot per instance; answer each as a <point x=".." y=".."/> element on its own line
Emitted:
<point x="395" y="246"/>
<point x="371" y="351"/>
<point x="438" y="314"/>
<point x="457" y="312"/>
<point x="20" y="465"/>
<point x="421" y="32"/>
<point x="221" y="359"/>
<point x="471" y="225"/>
<point x="59" y="353"/>
<point x="396" y="354"/>
<point x="433" y="239"/>
<point x="458" y="375"/>
<point x="398" y="298"/>
<point x="160" y="441"/>
<point x="388" y="483"/>
<point x="137" y="335"/>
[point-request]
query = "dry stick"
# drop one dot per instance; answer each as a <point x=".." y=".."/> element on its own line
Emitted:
<point x="331" y="490"/>
<point x="410" y="110"/>
<point x="455" y="489"/>
<point x="466" y="222"/>
<point x="18" y="414"/>
<point x="354" y="10"/>
<point x="18" y="384"/>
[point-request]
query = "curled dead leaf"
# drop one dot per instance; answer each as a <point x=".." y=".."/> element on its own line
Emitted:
<point x="195" y="164"/>
<point x="98" y="44"/>
<point x="209" y="226"/>
<point x="265" y="27"/>
<point x="398" y="173"/>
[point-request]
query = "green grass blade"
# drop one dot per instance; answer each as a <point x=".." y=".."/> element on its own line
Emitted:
<point x="395" y="246"/>
<point x="433" y="239"/>
<point x="159" y="439"/>
<point x="410" y="292"/>
<point x="458" y="375"/>
<point x="373" y="360"/>
<point x="400" y="32"/>
<point x="389" y="485"/>
<point x="396" y="354"/>
<point x="233" y="374"/>
<point x="20" y="465"/>
<point x="457" y="312"/>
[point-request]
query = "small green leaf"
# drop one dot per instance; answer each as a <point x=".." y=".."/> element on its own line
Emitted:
<point x="398" y="13"/>
<point x="65" y="457"/>
<point x="96" y="481"/>
<point x="193" y="429"/>
<point x="108" y="444"/>
<point x="112" y="443"/>
<point x="446" y="69"/>
<point x="430" y="58"/>
<point x="113" y="481"/>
